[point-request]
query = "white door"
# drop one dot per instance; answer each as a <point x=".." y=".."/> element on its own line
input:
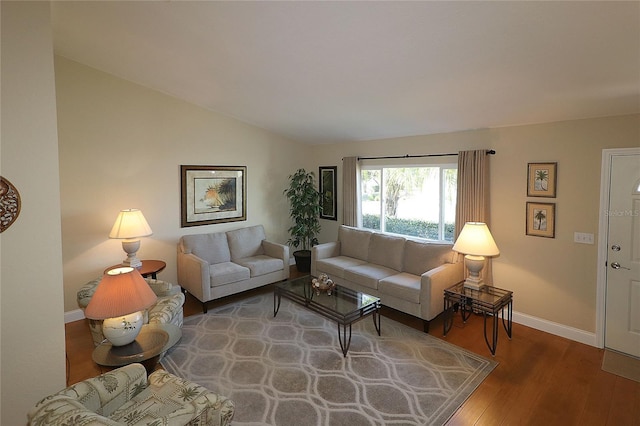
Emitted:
<point x="622" y="323"/>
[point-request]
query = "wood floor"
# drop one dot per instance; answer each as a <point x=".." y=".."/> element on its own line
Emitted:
<point x="541" y="379"/>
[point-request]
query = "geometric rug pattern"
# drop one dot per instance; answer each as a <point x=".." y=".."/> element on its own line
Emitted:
<point x="289" y="370"/>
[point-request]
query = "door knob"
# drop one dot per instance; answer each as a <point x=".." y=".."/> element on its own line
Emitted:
<point x="616" y="265"/>
<point x="615" y="247"/>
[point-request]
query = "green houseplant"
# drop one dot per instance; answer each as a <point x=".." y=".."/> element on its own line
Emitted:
<point x="304" y="210"/>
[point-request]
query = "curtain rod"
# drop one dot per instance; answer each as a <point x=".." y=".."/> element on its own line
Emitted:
<point x="489" y="151"/>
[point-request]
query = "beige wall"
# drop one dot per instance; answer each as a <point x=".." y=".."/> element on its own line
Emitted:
<point x="552" y="279"/>
<point x="31" y="295"/>
<point x="121" y="146"/>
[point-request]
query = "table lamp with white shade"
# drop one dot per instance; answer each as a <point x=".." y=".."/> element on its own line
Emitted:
<point x="130" y="225"/>
<point x="475" y="242"/>
<point x="119" y="300"/>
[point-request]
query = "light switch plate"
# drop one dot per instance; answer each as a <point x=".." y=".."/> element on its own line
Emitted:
<point x="583" y="238"/>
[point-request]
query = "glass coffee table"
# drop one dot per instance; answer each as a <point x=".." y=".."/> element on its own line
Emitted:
<point x="344" y="306"/>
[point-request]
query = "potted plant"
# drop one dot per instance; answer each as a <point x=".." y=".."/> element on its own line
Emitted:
<point x="304" y="203"/>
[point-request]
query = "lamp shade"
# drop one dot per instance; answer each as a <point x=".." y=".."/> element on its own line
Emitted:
<point x="121" y="291"/>
<point x="130" y="223"/>
<point x="475" y="239"/>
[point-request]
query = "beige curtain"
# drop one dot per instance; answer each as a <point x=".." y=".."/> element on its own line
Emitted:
<point x="472" y="203"/>
<point x="350" y="190"/>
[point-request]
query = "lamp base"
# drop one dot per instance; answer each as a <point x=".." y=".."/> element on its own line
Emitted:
<point x="474" y="264"/>
<point x="131" y="247"/>
<point x="132" y="262"/>
<point x="122" y="330"/>
<point x="474" y="284"/>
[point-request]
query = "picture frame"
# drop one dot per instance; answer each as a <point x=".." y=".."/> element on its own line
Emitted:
<point x="213" y="194"/>
<point x="541" y="219"/>
<point x="541" y="179"/>
<point x="327" y="186"/>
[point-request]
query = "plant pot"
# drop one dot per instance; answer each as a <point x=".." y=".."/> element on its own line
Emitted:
<point x="303" y="260"/>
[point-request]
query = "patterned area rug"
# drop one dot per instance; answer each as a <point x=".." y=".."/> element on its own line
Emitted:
<point x="289" y="370"/>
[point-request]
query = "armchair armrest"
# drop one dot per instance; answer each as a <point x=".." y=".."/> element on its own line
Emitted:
<point x="323" y="251"/>
<point x="94" y="398"/>
<point x="279" y="251"/>
<point x="163" y="288"/>
<point x="196" y="402"/>
<point x="193" y="275"/>
<point x="86" y="292"/>
<point x="432" y="285"/>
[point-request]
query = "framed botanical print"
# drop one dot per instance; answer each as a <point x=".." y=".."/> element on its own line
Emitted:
<point x="541" y="180"/>
<point x="541" y="219"/>
<point x="213" y="194"/>
<point x="327" y="182"/>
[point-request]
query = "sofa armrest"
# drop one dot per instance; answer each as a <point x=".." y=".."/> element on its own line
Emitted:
<point x="433" y="283"/>
<point x="279" y="251"/>
<point x="323" y="251"/>
<point x="193" y="275"/>
<point x="94" y="398"/>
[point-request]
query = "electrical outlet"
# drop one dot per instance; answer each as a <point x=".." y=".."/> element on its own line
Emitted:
<point x="582" y="238"/>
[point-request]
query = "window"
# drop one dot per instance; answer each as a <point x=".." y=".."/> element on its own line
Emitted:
<point x="416" y="200"/>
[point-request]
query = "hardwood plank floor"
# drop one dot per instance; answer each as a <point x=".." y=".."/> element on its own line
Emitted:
<point x="541" y="379"/>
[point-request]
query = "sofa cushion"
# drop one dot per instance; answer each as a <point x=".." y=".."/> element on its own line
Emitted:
<point x="211" y="247"/>
<point x="403" y="286"/>
<point x="261" y="265"/>
<point x="335" y="266"/>
<point x="246" y="242"/>
<point x="354" y="242"/>
<point x="368" y="274"/>
<point x="386" y="250"/>
<point x="227" y="273"/>
<point x="422" y="257"/>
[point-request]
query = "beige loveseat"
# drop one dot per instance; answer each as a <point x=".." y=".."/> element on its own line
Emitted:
<point x="219" y="264"/>
<point x="406" y="275"/>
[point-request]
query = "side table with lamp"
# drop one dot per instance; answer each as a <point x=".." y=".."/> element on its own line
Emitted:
<point x="473" y="295"/>
<point x="119" y="300"/>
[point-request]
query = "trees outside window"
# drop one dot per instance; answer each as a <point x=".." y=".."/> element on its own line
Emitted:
<point x="417" y="201"/>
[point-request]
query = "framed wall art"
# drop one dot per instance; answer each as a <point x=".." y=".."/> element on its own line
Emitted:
<point x="328" y="190"/>
<point x="541" y="180"/>
<point x="541" y="219"/>
<point x="213" y="194"/>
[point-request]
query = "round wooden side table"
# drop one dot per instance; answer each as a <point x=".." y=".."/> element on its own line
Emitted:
<point x="153" y="340"/>
<point x="149" y="267"/>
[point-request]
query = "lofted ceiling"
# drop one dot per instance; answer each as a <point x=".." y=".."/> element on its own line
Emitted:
<point x="326" y="72"/>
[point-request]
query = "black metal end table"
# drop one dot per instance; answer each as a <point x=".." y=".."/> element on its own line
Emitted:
<point x="489" y="301"/>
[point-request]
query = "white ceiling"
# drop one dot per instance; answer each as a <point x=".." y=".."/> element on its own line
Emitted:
<point x="322" y="72"/>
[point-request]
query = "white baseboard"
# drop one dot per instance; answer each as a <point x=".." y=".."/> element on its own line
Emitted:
<point x="519" y="318"/>
<point x="72" y="316"/>
<point x="557" y="329"/>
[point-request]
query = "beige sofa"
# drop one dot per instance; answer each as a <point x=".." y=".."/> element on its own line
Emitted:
<point x="211" y="266"/>
<point x="406" y="275"/>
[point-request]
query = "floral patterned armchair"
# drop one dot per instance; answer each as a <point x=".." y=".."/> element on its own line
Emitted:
<point x="167" y="310"/>
<point x="126" y="397"/>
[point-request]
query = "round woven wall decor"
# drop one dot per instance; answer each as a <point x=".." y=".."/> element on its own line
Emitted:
<point x="9" y="204"/>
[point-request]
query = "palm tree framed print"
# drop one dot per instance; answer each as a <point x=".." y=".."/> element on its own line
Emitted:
<point x="541" y="219"/>
<point x="213" y="194"/>
<point x="541" y="180"/>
